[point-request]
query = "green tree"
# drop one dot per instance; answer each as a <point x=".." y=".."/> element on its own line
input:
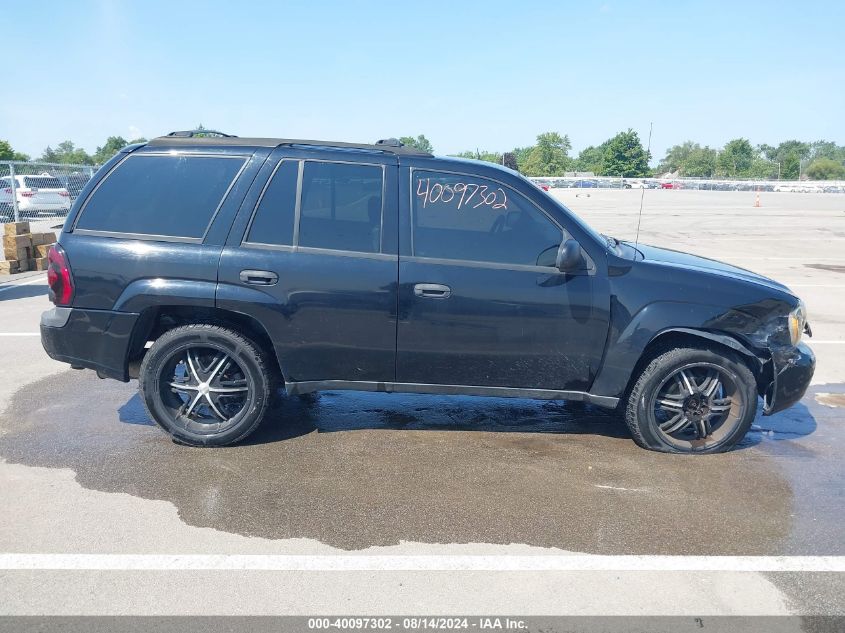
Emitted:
<point x="7" y="153"/>
<point x="699" y="163"/>
<point x="421" y="143"/>
<point x="677" y="156"/>
<point x="826" y="169"/>
<point x="66" y="152"/>
<point x="735" y="159"/>
<point x="111" y="147"/>
<point x="520" y="155"/>
<point x="827" y="149"/>
<point x="490" y="157"/>
<point x="762" y="169"/>
<point x="591" y="159"/>
<point x="625" y="156"/>
<point x="549" y="157"/>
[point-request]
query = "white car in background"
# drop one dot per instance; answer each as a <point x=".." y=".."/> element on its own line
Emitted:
<point x="36" y="195"/>
<point x="633" y="184"/>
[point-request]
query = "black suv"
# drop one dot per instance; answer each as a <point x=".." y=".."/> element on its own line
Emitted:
<point x="219" y="269"/>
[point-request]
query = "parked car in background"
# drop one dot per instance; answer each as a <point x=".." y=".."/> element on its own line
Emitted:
<point x="633" y="184"/>
<point x="7" y="211"/>
<point x="585" y="184"/>
<point x="38" y="195"/>
<point x="216" y="269"/>
<point x="667" y="185"/>
<point x="73" y="183"/>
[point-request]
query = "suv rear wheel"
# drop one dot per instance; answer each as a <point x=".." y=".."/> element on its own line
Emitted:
<point x="205" y="384"/>
<point x="691" y="400"/>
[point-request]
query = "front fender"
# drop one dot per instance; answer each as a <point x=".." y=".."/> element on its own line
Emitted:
<point x="631" y="335"/>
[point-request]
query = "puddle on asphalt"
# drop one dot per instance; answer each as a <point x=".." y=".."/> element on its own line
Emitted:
<point x="355" y="470"/>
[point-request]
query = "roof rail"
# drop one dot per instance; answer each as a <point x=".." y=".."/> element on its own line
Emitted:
<point x="200" y="133"/>
<point x="385" y="146"/>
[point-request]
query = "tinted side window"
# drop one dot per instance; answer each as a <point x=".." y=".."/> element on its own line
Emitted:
<point x="341" y="207"/>
<point x="174" y="196"/>
<point x="274" y="217"/>
<point x="470" y="218"/>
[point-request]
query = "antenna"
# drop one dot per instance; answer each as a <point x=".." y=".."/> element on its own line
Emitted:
<point x="642" y="193"/>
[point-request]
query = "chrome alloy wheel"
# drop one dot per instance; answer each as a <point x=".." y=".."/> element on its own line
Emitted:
<point x="204" y="388"/>
<point x="698" y="405"/>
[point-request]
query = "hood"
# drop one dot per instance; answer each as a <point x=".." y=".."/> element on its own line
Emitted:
<point x="694" y="262"/>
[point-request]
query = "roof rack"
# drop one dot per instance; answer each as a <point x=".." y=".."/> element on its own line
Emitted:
<point x="384" y="146"/>
<point x="201" y="133"/>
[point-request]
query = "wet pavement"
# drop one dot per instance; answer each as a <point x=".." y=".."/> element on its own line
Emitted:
<point x="355" y="470"/>
<point x="83" y="471"/>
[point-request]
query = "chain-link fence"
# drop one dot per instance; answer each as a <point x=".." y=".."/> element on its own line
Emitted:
<point x="696" y="184"/>
<point x="31" y="191"/>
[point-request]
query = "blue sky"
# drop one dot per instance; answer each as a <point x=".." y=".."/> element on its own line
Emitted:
<point x="488" y="75"/>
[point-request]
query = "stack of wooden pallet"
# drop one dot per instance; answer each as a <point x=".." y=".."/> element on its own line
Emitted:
<point x="24" y="250"/>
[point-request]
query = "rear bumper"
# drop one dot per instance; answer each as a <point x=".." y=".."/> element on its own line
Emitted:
<point x="93" y="339"/>
<point x="793" y="370"/>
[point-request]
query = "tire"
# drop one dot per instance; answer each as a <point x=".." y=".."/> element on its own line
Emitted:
<point x="692" y="400"/>
<point x="206" y="385"/>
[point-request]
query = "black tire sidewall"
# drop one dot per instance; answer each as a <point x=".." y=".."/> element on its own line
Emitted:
<point x="665" y="365"/>
<point x="239" y="348"/>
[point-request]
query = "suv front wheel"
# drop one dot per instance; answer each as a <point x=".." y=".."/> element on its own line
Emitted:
<point x="692" y="400"/>
<point x="206" y="385"/>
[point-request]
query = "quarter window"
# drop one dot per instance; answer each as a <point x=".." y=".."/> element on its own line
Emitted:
<point x="341" y="206"/>
<point x="171" y="196"/>
<point x="274" y="217"/>
<point x="465" y="217"/>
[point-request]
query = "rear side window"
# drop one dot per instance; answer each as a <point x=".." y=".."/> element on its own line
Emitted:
<point x="42" y="182"/>
<point x="341" y="206"/>
<point x="170" y="196"/>
<point x="274" y="217"/>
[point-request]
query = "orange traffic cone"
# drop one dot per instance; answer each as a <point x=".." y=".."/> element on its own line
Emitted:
<point x="757" y="200"/>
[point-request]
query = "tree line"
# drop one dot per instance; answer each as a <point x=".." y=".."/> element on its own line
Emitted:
<point x="622" y="155"/>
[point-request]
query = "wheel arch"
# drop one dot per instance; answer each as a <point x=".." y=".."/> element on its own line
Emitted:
<point x="154" y="321"/>
<point x="674" y="337"/>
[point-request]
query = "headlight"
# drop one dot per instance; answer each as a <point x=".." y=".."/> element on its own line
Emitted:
<point x="797" y="320"/>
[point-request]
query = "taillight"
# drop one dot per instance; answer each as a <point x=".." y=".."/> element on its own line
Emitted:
<point x="28" y="194"/>
<point x="59" y="278"/>
<point x="64" y="194"/>
<point x="8" y="190"/>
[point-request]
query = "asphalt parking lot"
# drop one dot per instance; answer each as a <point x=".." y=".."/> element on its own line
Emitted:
<point x="380" y="477"/>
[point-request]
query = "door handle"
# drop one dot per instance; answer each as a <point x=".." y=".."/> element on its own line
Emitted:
<point x="259" y="277"/>
<point x="433" y="291"/>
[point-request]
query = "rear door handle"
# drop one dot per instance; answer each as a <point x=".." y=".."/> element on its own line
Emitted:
<point x="433" y="291"/>
<point x="259" y="277"/>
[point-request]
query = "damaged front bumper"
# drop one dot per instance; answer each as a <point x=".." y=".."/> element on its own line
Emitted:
<point x="792" y="370"/>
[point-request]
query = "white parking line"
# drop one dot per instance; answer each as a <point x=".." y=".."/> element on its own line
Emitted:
<point x="576" y="562"/>
<point x="20" y="334"/>
<point x="11" y="286"/>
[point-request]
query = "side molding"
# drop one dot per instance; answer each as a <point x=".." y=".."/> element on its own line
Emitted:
<point x="296" y="388"/>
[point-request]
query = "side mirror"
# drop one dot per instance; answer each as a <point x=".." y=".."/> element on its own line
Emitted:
<point x="569" y="256"/>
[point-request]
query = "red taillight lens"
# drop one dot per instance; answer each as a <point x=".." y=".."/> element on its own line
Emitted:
<point x="59" y="278"/>
<point x="27" y="194"/>
<point x="64" y="194"/>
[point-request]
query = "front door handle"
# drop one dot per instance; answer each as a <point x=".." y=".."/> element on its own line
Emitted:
<point x="259" y="277"/>
<point x="433" y="291"/>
